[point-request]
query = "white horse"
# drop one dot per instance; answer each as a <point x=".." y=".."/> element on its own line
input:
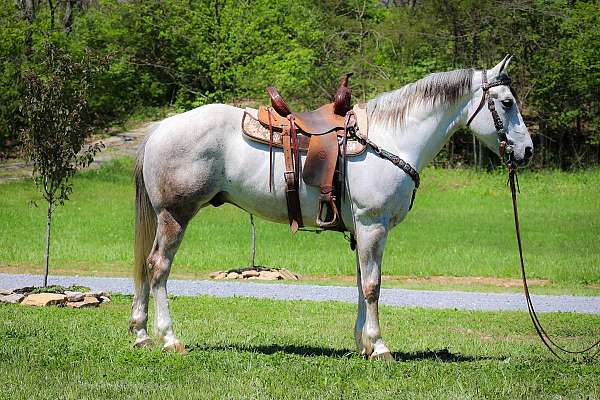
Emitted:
<point x="201" y="158"/>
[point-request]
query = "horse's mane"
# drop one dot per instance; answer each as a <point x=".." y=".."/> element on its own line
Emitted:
<point x="442" y="87"/>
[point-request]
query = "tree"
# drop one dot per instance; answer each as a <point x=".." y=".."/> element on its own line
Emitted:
<point x="54" y="109"/>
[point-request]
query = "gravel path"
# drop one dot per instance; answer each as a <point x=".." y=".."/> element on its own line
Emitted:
<point x="278" y="291"/>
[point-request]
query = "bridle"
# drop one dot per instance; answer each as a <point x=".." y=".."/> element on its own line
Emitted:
<point x="506" y="148"/>
<point x="502" y="80"/>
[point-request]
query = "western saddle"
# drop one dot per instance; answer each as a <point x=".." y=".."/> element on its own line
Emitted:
<point x="327" y="135"/>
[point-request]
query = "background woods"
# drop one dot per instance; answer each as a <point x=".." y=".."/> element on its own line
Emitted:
<point x="183" y="54"/>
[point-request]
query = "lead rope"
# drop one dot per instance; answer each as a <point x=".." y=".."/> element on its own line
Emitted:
<point x="546" y="339"/>
<point x="513" y="181"/>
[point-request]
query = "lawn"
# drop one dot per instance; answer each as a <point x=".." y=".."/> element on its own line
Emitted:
<point x="246" y="348"/>
<point x="461" y="225"/>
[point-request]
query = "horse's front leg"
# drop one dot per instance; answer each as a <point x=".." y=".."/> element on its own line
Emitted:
<point x="370" y="241"/>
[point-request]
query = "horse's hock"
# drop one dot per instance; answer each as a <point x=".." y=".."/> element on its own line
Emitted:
<point x="256" y="273"/>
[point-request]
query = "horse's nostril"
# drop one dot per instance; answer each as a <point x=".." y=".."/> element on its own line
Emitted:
<point x="528" y="152"/>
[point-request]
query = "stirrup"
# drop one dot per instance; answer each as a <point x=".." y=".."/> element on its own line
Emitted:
<point x="327" y="224"/>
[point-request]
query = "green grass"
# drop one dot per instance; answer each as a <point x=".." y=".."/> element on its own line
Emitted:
<point x="246" y="348"/>
<point x="461" y="225"/>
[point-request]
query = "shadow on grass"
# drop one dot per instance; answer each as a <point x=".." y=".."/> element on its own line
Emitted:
<point x="442" y="355"/>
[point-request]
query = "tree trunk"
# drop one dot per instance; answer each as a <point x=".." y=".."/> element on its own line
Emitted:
<point x="542" y="151"/>
<point x="52" y="11"/>
<point x="253" y="258"/>
<point x="450" y="152"/>
<point x="475" y="163"/>
<point x="68" y="18"/>
<point x="482" y="152"/>
<point x="47" y="252"/>
<point x="28" y="12"/>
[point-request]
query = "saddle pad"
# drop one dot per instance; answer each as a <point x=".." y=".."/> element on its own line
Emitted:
<point x="255" y="131"/>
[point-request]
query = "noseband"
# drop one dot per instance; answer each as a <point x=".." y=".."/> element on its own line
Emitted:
<point x="501" y="80"/>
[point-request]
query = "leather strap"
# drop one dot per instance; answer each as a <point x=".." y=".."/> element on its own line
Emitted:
<point x="397" y="161"/>
<point x="291" y="177"/>
<point x="483" y="96"/>
<point x="543" y="335"/>
<point x="270" y="151"/>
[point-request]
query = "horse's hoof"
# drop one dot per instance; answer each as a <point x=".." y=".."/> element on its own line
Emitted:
<point x="141" y="343"/>
<point x="386" y="356"/>
<point x="176" y="347"/>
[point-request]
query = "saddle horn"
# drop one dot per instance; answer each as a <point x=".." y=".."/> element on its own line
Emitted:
<point x="342" y="103"/>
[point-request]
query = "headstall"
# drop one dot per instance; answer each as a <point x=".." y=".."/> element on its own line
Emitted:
<point x="502" y="80"/>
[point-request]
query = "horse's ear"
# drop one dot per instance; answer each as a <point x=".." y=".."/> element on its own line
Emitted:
<point x="500" y="67"/>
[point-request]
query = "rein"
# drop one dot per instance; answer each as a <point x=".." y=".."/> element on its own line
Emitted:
<point x="554" y="348"/>
<point x="513" y="182"/>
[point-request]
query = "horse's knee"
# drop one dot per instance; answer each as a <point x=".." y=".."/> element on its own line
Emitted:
<point x="371" y="289"/>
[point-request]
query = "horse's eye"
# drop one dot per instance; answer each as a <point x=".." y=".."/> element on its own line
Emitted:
<point x="507" y="103"/>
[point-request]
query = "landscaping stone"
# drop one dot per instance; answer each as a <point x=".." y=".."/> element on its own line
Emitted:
<point x="250" y="273"/>
<point x="5" y="292"/>
<point x="288" y="275"/>
<point x="12" y="298"/>
<point x="55" y="295"/>
<point x="88" y="301"/>
<point x="269" y="275"/>
<point x="74" y="296"/>
<point x="44" y="299"/>
<point x="104" y="299"/>
<point x="256" y="273"/>
<point x="97" y="294"/>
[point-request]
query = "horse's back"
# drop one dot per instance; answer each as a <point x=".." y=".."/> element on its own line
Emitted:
<point x="208" y="122"/>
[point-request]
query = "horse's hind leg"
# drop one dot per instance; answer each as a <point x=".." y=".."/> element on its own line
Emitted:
<point x="169" y="232"/>
<point x="139" y="314"/>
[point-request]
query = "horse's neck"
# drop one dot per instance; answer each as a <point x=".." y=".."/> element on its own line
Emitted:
<point x="424" y="133"/>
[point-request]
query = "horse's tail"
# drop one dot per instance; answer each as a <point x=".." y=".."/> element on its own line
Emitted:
<point x="145" y="221"/>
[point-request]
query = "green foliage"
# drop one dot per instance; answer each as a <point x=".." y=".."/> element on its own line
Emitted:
<point x="186" y="54"/>
<point x="11" y="48"/>
<point x="60" y="289"/>
<point x="566" y="88"/>
<point x="54" y="109"/>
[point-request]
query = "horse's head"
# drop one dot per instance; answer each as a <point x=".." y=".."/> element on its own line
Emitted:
<point x="494" y="114"/>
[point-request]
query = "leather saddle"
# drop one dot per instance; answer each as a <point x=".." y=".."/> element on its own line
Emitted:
<point x="325" y="134"/>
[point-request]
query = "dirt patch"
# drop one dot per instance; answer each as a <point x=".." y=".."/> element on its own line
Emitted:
<point x="118" y="145"/>
<point x="471" y="280"/>
<point x="438" y="280"/>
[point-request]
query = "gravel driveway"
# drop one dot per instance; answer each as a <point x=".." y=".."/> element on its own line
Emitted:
<point x="279" y="291"/>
